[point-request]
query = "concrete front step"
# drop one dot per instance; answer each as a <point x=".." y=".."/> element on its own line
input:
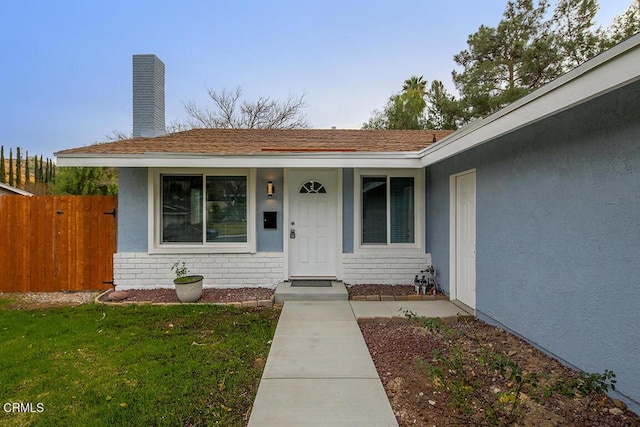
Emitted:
<point x="285" y="292"/>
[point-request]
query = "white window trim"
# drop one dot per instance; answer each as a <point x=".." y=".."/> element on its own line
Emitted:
<point x="419" y="194"/>
<point x="154" y="213"/>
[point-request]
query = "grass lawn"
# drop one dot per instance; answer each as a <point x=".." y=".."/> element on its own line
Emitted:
<point x="135" y="365"/>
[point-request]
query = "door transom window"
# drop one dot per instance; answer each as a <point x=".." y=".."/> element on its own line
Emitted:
<point x="312" y="187"/>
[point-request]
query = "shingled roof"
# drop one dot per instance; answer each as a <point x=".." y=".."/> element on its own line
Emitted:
<point x="264" y="141"/>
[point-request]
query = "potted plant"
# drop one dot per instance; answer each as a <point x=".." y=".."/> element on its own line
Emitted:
<point x="188" y="286"/>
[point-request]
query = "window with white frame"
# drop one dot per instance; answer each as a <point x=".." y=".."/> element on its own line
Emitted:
<point x="203" y="209"/>
<point x="387" y="210"/>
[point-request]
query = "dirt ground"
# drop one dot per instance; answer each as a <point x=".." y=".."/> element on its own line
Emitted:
<point x="423" y="390"/>
<point x="36" y="300"/>
<point x="208" y="295"/>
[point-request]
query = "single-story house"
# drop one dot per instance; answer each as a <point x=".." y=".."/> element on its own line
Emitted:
<point x="9" y="190"/>
<point x="531" y="216"/>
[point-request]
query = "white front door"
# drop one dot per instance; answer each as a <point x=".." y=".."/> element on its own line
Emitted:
<point x="313" y="224"/>
<point x="465" y="237"/>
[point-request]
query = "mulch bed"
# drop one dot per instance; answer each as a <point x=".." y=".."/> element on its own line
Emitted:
<point x="208" y="295"/>
<point x="390" y="290"/>
<point x="226" y="295"/>
<point x="402" y="351"/>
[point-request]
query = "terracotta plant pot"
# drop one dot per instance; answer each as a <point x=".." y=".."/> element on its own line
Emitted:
<point x="189" y="288"/>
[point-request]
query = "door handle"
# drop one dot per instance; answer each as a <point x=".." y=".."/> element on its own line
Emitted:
<point x="292" y="233"/>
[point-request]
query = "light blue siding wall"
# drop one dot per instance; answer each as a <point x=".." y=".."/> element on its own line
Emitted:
<point x="132" y="210"/>
<point x="558" y="226"/>
<point x="347" y="211"/>
<point x="269" y="240"/>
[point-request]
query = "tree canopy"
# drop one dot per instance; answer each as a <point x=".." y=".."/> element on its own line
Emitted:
<point x="526" y="50"/>
<point x="404" y="110"/>
<point x="86" y="181"/>
<point x="625" y="25"/>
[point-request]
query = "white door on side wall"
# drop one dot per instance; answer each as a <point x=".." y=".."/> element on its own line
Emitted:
<point x="464" y="237"/>
<point x="313" y="224"/>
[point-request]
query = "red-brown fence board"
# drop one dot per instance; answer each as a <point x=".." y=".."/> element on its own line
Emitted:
<point x="56" y="243"/>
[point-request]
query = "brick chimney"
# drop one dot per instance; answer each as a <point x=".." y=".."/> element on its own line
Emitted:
<point x="148" y="96"/>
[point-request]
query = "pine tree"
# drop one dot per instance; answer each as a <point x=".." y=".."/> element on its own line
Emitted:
<point x="3" y="172"/>
<point x="18" y="168"/>
<point x="624" y="26"/>
<point x="11" y="166"/>
<point x="47" y="172"/>
<point x="27" y="178"/>
<point x="576" y="40"/>
<point x="504" y="63"/>
<point x="41" y="171"/>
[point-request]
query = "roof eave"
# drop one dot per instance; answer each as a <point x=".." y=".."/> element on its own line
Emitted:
<point x="14" y="190"/>
<point x="297" y="160"/>
<point x="617" y="67"/>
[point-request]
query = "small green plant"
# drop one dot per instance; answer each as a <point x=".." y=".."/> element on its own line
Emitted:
<point x="432" y="324"/>
<point x="435" y="325"/>
<point x="461" y="377"/>
<point x="181" y="270"/>
<point x="584" y="384"/>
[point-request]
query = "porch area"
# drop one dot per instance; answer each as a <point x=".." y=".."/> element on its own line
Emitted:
<point x="310" y="290"/>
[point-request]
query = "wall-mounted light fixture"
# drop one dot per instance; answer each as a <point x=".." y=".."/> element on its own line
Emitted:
<point x="270" y="189"/>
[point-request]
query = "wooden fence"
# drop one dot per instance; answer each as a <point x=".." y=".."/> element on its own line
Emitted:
<point x="57" y="243"/>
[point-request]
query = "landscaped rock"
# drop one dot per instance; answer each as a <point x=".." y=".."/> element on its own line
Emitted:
<point x="616" y="411"/>
<point x="117" y="296"/>
<point x="619" y="404"/>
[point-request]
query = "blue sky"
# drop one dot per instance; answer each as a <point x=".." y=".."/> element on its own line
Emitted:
<point x="65" y="73"/>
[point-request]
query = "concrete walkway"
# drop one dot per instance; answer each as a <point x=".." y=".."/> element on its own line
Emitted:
<point x="319" y="371"/>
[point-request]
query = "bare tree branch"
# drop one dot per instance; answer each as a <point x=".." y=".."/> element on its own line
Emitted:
<point x="176" y="126"/>
<point x="264" y="113"/>
<point x="117" y="135"/>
